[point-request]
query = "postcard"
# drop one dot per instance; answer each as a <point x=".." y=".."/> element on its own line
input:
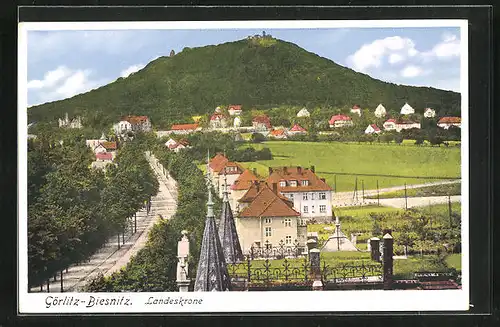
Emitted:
<point x="243" y="166"/>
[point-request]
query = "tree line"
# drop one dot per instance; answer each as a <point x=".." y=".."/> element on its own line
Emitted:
<point x="72" y="208"/>
<point x="153" y="269"/>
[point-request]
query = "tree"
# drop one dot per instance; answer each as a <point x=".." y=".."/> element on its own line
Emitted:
<point x="257" y="138"/>
<point x="398" y="138"/>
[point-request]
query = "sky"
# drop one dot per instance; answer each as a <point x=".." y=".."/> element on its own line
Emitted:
<point x="62" y="64"/>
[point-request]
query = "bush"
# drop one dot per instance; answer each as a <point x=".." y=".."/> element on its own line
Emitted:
<point x="257" y="138"/>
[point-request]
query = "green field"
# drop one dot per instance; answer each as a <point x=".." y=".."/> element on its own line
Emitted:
<point x="434" y="190"/>
<point x="390" y="165"/>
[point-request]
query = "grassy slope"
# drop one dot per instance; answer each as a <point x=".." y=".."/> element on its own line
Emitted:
<point x="332" y="158"/>
<point x="195" y="81"/>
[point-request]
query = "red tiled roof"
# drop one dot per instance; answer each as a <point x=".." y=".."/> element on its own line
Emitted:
<point x="338" y="117"/>
<point x="375" y="127"/>
<point x="297" y="174"/>
<point x="268" y="204"/>
<point x="390" y="121"/>
<point x="262" y="119"/>
<point x="217" y="116"/>
<point x="135" y="119"/>
<point x="219" y="169"/>
<point x="450" y="120"/>
<point x="297" y="128"/>
<point x="104" y="156"/>
<point x="109" y="145"/>
<point x="218" y="160"/>
<point x="277" y="132"/>
<point x="244" y="181"/>
<point x="235" y="107"/>
<point x="181" y="127"/>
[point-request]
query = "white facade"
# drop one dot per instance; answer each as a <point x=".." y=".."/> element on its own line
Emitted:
<point x="448" y="125"/>
<point x="122" y="127"/>
<point x="341" y="123"/>
<point x="303" y="113"/>
<point x="237" y="122"/>
<point x="400" y="126"/>
<point x="380" y="111"/>
<point x="407" y="109"/>
<point x="356" y="111"/>
<point x="170" y="142"/>
<point x="390" y="125"/>
<point x="311" y="204"/>
<point x="429" y="113"/>
<point x="371" y="130"/>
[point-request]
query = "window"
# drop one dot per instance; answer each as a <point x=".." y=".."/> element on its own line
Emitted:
<point x="268" y="231"/>
<point x="305" y="183"/>
<point x="312" y="209"/>
<point x="290" y="196"/>
<point x="293" y="183"/>
<point x="322" y="196"/>
<point x="306" y="209"/>
<point x="312" y="196"/>
<point x="322" y="208"/>
<point x="288" y="239"/>
<point x="282" y="183"/>
<point x="304" y="196"/>
<point x="288" y="222"/>
<point x="268" y="221"/>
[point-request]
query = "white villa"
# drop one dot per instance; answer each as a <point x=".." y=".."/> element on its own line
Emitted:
<point x="429" y="113"/>
<point x="132" y="124"/>
<point x="380" y="111"/>
<point x="406" y="109"/>
<point x="340" y="121"/>
<point x="303" y="113"/>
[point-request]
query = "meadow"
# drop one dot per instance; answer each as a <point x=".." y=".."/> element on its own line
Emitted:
<point x="434" y="190"/>
<point x="341" y="163"/>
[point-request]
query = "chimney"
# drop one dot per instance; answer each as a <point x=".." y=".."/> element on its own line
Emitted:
<point x="299" y="170"/>
<point x="323" y="180"/>
<point x="270" y="171"/>
<point x="275" y="188"/>
<point x="257" y="184"/>
<point x="313" y="169"/>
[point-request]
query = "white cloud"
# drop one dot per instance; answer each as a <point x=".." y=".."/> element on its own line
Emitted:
<point x="132" y="69"/>
<point x="448" y="48"/>
<point x="62" y="83"/>
<point x="412" y="71"/>
<point x="371" y="54"/>
<point x="395" y="58"/>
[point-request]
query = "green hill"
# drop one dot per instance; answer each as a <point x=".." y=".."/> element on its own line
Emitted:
<point x="260" y="73"/>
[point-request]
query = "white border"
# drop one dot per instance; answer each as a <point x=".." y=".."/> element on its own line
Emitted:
<point x="327" y="301"/>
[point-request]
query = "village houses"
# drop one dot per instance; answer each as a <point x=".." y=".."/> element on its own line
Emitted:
<point x="218" y="120"/>
<point x="447" y="122"/>
<point x="340" y="121"/>
<point x="398" y="126"/>
<point x="219" y="166"/>
<point x="177" y="146"/>
<point x="380" y="111"/>
<point x="296" y="130"/>
<point x="429" y="113"/>
<point x="279" y="134"/>
<point x="70" y="123"/>
<point x="356" y="109"/>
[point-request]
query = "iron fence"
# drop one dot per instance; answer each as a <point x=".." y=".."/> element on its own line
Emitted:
<point x="352" y="272"/>
<point x="281" y="251"/>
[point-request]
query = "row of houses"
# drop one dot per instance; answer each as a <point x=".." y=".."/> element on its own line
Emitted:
<point x="273" y="208"/>
<point x="406" y="109"/>
<point x="104" y="151"/>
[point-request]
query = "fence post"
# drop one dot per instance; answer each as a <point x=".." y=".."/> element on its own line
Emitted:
<point x="375" y="248"/>
<point x="62" y="282"/>
<point x="314" y="260"/>
<point x="378" y="195"/>
<point x="406" y="198"/>
<point x="48" y="286"/>
<point x="388" y="241"/>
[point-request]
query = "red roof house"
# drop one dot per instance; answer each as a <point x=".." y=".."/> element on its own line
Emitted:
<point x="340" y="120"/>
<point x="104" y="156"/>
<point x="262" y="122"/>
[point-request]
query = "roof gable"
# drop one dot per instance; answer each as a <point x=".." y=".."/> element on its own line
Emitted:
<point x="268" y="204"/>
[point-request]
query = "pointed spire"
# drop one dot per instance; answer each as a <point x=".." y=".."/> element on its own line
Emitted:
<point x="227" y="230"/>
<point x="212" y="274"/>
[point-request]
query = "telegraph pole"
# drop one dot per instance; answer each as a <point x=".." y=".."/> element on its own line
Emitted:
<point x="378" y="195"/>
<point x="406" y="198"/>
<point x="363" y="191"/>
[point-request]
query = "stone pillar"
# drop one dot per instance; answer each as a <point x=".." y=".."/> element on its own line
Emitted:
<point x="183" y="281"/>
<point x="388" y="241"/>
<point x="375" y="248"/>
<point x="314" y="261"/>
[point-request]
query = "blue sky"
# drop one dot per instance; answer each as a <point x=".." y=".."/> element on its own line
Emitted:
<point x="62" y="64"/>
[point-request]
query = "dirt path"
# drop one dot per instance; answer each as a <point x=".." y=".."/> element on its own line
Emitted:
<point x="109" y="258"/>
<point x="348" y="199"/>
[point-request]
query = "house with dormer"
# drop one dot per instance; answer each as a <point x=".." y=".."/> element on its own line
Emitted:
<point x="269" y="219"/>
<point x="311" y="195"/>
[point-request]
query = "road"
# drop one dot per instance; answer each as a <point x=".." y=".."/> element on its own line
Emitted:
<point x="109" y="258"/>
<point x="348" y="199"/>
